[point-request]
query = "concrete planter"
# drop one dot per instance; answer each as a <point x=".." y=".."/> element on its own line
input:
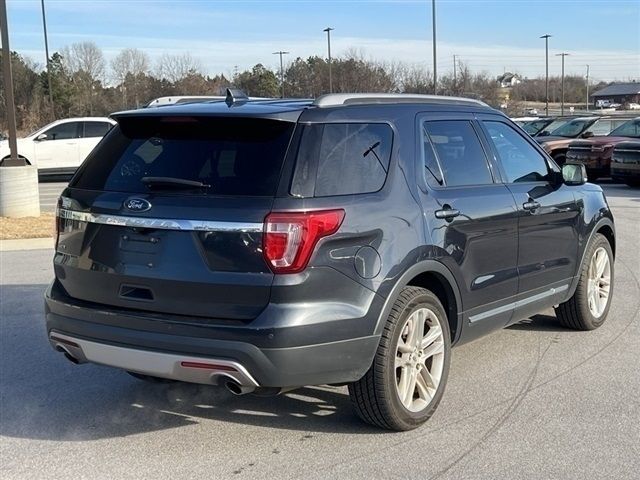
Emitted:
<point x="19" y="192"/>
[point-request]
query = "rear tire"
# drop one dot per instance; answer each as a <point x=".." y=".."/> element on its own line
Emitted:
<point x="632" y="183"/>
<point x="402" y="388"/>
<point x="587" y="309"/>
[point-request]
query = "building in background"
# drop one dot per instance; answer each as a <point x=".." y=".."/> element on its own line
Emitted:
<point x="617" y="94"/>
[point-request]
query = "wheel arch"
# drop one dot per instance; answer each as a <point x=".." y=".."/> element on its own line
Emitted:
<point x="437" y="278"/>
<point x="605" y="227"/>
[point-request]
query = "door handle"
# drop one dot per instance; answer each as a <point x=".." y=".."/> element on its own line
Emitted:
<point x="530" y="205"/>
<point x="447" y="213"/>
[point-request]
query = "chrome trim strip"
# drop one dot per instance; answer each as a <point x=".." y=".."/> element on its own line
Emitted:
<point x="517" y="304"/>
<point x="157" y="364"/>
<point x="160" y="223"/>
<point x="626" y="150"/>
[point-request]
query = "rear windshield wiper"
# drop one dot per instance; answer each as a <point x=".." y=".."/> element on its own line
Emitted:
<point x="172" y="182"/>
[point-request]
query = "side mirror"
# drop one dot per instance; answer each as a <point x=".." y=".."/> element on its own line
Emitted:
<point x="587" y="135"/>
<point x="41" y="137"/>
<point x="574" y="173"/>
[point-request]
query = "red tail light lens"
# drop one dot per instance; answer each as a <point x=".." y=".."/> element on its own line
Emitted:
<point x="290" y="237"/>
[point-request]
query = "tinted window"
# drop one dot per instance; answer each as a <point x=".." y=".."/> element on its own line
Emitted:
<point x="573" y="128"/>
<point x="344" y="158"/>
<point x="459" y="151"/>
<point x="535" y="126"/>
<point x="601" y="127"/>
<point x="433" y="173"/>
<point x="629" y="129"/>
<point x="520" y="160"/>
<point x="96" y="129"/>
<point x="232" y="156"/>
<point x="63" y="131"/>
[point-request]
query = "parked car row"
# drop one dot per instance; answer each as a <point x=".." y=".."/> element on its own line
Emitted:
<point x="596" y="152"/>
<point x="592" y="140"/>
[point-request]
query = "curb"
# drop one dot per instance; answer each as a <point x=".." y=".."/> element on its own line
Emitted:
<point x="26" y="244"/>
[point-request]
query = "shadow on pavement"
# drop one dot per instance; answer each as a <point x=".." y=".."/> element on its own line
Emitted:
<point x="43" y="396"/>
<point x="539" y="323"/>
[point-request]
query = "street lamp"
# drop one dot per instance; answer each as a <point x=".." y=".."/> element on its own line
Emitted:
<point x="46" y="52"/>
<point x="7" y="78"/>
<point x="587" y="99"/>
<point x="435" y="67"/>
<point x="546" y="82"/>
<point x="562" y="82"/>
<point x="281" y="53"/>
<point x="328" y="30"/>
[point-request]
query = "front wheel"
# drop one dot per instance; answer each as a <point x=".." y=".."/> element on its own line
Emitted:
<point x="589" y="306"/>
<point x="406" y="380"/>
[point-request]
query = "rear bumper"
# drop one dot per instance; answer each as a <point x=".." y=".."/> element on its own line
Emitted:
<point x="158" y="347"/>
<point x="625" y="170"/>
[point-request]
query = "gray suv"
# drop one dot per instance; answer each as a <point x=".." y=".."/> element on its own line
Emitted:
<point x="265" y="245"/>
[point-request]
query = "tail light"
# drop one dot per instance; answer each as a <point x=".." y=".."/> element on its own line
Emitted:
<point x="290" y="237"/>
<point x="57" y="227"/>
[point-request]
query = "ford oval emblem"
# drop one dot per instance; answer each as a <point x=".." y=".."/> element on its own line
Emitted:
<point x="137" y="204"/>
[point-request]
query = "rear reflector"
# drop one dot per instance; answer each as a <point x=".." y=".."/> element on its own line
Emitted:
<point x="290" y="237"/>
<point x="208" y="366"/>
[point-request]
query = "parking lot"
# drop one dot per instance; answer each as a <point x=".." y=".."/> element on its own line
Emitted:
<point x="530" y="401"/>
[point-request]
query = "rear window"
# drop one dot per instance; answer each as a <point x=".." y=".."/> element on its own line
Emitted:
<point x="342" y="159"/>
<point x="231" y="156"/>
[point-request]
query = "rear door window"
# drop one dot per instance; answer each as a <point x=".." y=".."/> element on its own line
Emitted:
<point x="459" y="151"/>
<point x="342" y="159"/>
<point x="230" y="156"/>
<point x="96" y="129"/>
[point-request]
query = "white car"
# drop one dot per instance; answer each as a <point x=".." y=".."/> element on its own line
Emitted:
<point x="61" y="146"/>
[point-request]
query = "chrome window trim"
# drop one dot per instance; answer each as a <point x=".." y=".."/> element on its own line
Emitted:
<point x="160" y="223"/>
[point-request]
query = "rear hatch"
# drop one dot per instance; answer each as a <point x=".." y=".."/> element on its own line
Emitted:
<point x="166" y="215"/>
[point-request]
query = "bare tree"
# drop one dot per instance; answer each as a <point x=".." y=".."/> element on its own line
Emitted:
<point x="176" y="67"/>
<point x="84" y="57"/>
<point x="129" y="69"/>
<point x="86" y="64"/>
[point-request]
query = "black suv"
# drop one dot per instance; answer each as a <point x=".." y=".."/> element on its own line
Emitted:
<point x="265" y="245"/>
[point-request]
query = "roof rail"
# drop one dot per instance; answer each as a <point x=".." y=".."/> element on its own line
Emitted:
<point x="335" y="99"/>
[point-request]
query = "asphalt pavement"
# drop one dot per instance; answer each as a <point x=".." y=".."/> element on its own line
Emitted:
<point x="533" y="401"/>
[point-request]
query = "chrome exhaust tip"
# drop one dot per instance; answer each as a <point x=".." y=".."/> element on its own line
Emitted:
<point x="67" y="355"/>
<point x="237" y="389"/>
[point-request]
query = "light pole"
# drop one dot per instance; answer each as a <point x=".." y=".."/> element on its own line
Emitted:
<point x="435" y="67"/>
<point x="46" y="52"/>
<point x="455" y="79"/>
<point x="546" y="81"/>
<point x="562" y="83"/>
<point x="281" y="53"/>
<point x="8" y="86"/>
<point x="587" y="102"/>
<point x="328" y="30"/>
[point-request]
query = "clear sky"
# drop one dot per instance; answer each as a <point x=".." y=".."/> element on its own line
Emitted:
<point x="487" y="35"/>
